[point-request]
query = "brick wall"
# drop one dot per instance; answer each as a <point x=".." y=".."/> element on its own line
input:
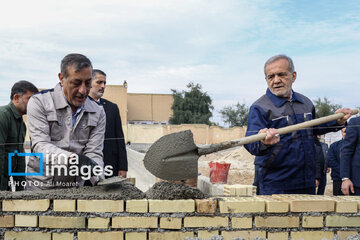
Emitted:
<point x="273" y="217"/>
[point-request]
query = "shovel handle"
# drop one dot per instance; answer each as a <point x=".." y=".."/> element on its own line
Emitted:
<point x="260" y="136"/>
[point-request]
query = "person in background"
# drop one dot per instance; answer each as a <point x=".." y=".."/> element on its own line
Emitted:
<point x="321" y="151"/>
<point x="12" y="133"/>
<point x="334" y="157"/>
<point x="350" y="159"/>
<point x="114" y="144"/>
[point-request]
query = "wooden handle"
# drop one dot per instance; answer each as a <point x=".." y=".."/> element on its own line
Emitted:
<point x="260" y="136"/>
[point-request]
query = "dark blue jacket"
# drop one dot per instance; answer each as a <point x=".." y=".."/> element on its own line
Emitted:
<point x="350" y="155"/>
<point x="321" y="158"/>
<point x="334" y="159"/>
<point x="289" y="164"/>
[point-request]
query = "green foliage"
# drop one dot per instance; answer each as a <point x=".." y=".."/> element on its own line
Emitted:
<point x="325" y="107"/>
<point x="235" y="115"/>
<point x="192" y="106"/>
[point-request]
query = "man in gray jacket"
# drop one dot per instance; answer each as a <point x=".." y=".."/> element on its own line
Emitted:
<point x="66" y="130"/>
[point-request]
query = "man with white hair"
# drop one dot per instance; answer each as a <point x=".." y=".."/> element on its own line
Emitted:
<point x="285" y="164"/>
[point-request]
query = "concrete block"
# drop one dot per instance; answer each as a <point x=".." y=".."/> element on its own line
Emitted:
<point x="276" y="222"/>
<point x="274" y="205"/>
<point x="100" y="235"/>
<point x="195" y="222"/>
<point x="64" y="205"/>
<point x="26" y="220"/>
<point x="308" y="203"/>
<point x="203" y="234"/>
<point x="61" y="222"/>
<point x="137" y="205"/>
<point x="132" y="180"/>
<point x="136" y="236"/>
<point x="98" y="222"/>
<point x="342" y="221"/>
<point x="171" y="206"/>
<point x="25" y="235"/>
<point x="241" y="222"/>
<point x="170" y="223"/>
<point x="353" y="198"/>
<point x="207" y="187"/>
<point x="345" y="205"/>
<point x="229" y="190"/>
<point x="344" y="234"/>
<point x="206" y="205"/>
<point x="170" y="235"/>
<point x="248" y="235"/>
<point x="63" y="236"/>
<point x="134" y="222"/>
<point x="7" y="221"/>
<point x="100" y="205"/>
<point x="26" y="205"/>
<point x="239" y="190"/>
<point x="277" y="236"/>
<point x="313" y="235"/>
<point x="241" y="205"/>
<point x="312" y="221"/>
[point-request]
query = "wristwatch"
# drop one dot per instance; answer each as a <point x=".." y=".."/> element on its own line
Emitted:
<point x="344" y="178"/>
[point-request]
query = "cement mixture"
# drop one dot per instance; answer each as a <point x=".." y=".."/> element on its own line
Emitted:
<point x="171" y="191"/>
<point x="173" y="157"/>
<point x="119" y="191"/>
<point x="357" y="237"/>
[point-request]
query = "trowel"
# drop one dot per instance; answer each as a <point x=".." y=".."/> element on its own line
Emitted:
<point x="175" y="156"/>
<point x="111" y="181"/>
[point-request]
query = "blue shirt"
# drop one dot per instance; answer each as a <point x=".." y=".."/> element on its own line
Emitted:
<point x="78" y="110"/>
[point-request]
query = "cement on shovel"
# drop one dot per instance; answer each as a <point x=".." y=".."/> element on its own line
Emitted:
<point x="173" y="157"/>
<point x="172" y="191"/>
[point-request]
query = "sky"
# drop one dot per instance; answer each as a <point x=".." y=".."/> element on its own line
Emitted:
<point x="159" y="45"/>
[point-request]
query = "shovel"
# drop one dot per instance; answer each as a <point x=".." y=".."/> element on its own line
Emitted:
<point x="175" y="156"/>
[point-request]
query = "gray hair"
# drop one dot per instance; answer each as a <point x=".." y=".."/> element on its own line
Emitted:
<point x="277" y="57"/>
<point x="76" y="60"/>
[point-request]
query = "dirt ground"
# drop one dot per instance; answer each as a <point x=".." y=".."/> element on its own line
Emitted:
<point x="242" y="166"/>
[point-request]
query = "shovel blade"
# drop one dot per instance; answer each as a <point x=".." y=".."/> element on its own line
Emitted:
<point x="173" y="157"/>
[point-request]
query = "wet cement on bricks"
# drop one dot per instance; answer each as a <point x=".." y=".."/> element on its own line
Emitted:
<point x="120" y="191"/>
<point x="172" y="191"/>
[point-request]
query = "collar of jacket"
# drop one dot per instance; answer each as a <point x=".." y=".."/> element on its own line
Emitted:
<point x="279" y="101"/>
<point x="60" y="101"/>
<point x="14" y="110"/>
<point x="98" y="102"/>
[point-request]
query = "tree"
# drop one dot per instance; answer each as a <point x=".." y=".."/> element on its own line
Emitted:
<point x="325" y="107"/>
<point x="192" y="106"/>
<point x="235" y="115"/>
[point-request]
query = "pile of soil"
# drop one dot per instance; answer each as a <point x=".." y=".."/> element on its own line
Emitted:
<point x="242" y="164"/>
<point x="171" y="191"/>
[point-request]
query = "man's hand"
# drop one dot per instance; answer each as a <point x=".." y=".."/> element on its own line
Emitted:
<point x="346" y="186"/>
<point x="86" y="161"/>
<point x="272" y="136"/>
<point x="347" y="112"/>
<point x="122" y="173"/>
